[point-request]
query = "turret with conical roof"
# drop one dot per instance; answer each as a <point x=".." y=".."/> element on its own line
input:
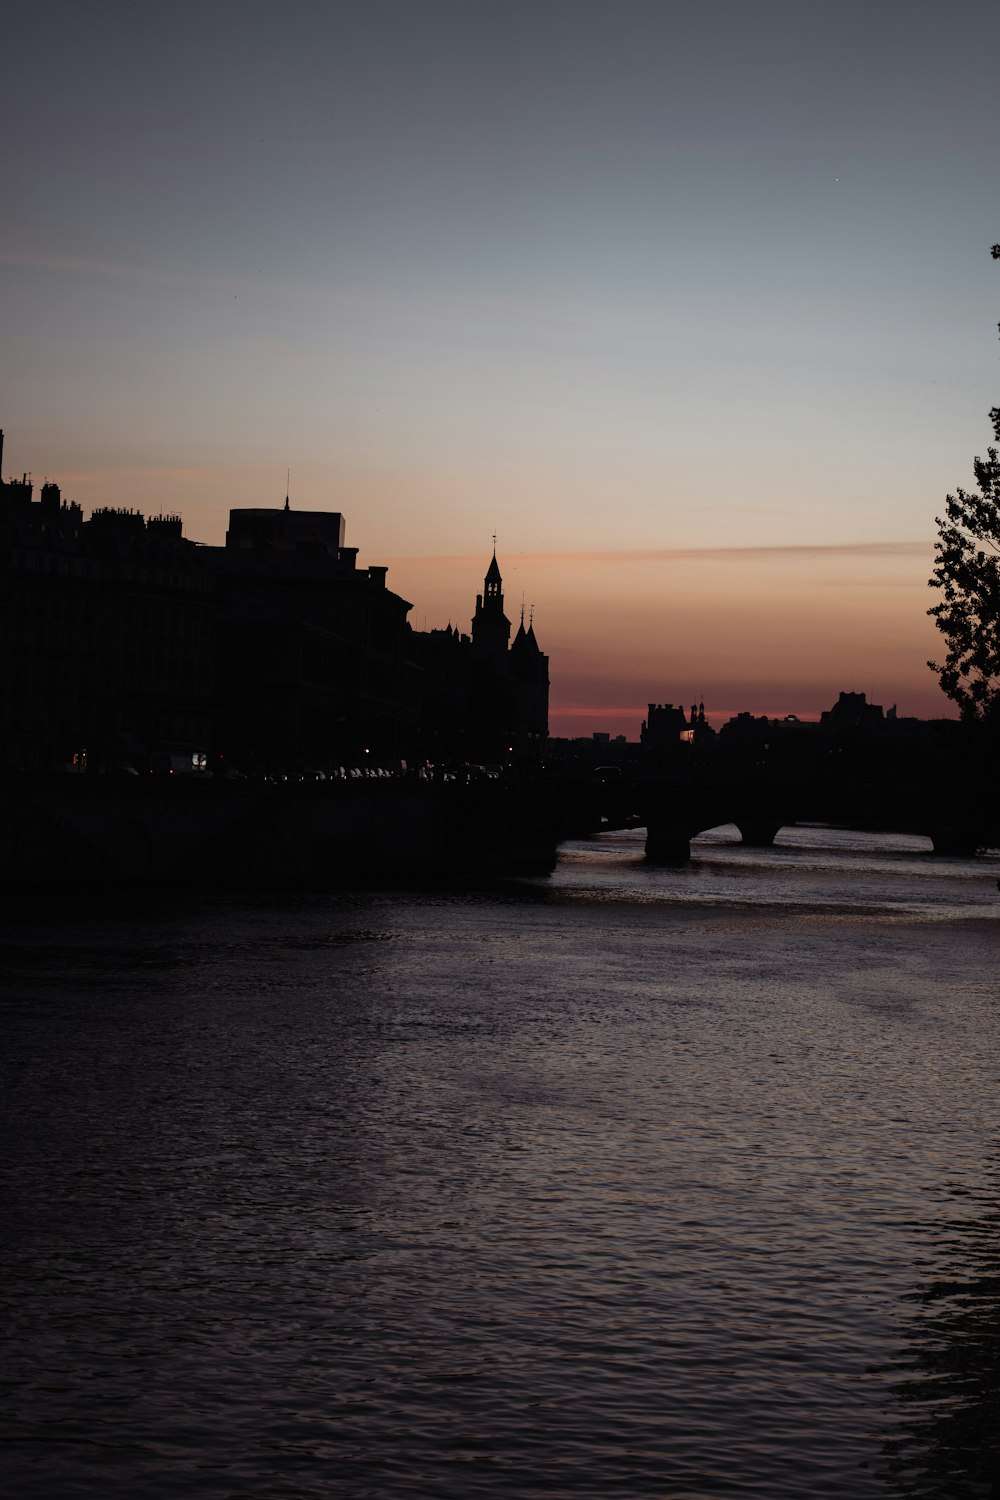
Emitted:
<point x="490" y="626"/>
<point x="493" y="583"/>
<point x="529" y="671"/>
<point x="487" y="698"/>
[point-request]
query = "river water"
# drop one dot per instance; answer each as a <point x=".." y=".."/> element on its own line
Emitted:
<point x="619" y="1182"/>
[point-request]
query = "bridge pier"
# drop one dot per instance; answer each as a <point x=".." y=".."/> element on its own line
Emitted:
<point x="759" y="833"/>
<point x="668" y="843"/>
<point x="958" y="839"/>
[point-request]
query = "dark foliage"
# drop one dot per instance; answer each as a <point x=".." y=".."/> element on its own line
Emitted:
<point x="967" y="571"/>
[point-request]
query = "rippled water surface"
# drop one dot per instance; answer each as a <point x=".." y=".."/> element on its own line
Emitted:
<point x="621" y="1182"/>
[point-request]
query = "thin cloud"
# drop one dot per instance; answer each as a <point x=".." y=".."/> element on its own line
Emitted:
<point x="157" y="276"/>
<point x="693" y="554"/>
<point x="575" y="711"/>
<point x="42" y="261"/>
<point x="454" y="307"/>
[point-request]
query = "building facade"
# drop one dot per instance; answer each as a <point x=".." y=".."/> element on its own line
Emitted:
<point x="315" y="669"/>
<point x="107" y="635"/>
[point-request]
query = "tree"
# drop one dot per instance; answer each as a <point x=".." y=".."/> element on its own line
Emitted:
<point x="967" y="571"/>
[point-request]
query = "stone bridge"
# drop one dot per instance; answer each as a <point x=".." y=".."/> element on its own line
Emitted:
<point x="673" y="812"/>
<point x="79" y="832"/>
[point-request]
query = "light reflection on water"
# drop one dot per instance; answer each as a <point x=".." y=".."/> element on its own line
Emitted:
<point x="625" y="1182"/>
<point x="837" y="869"/>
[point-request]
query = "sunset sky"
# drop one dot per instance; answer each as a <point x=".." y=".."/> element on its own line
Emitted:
<point x="692" y="305"/>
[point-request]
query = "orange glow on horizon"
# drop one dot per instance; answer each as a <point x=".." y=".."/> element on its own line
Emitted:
<point x="769" y="630"/>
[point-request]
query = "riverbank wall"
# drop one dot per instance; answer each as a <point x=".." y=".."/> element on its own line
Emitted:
<point x="105" y="832"/>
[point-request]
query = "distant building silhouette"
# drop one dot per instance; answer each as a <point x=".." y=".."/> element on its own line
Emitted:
<point x="596" y="752"/>
<point x="667" y="732"/>
<point x="853" y="711"/>
<point x="124" y="644"/>
<point x="528" y="670"/>
<point x="287" y="530"/>
<point x="485" y="701"/>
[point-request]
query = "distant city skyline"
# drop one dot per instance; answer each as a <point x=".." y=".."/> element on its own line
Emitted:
<point x="694" y="308"/>
<point x="634" y="670"/>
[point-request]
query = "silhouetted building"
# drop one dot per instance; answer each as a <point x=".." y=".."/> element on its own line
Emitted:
<point x="528" y="670"/>
<point x="315" y="667"/>
<point x="123" y="645"/>
<point x="484" y="701"/>
<point x="660" y="736"/>
<point x="597" y="752"/>
<point x="853" y="711"/>
<point x="490" y="626"/>
<point x="107" y="635"/>
<point x="286" y="530"/>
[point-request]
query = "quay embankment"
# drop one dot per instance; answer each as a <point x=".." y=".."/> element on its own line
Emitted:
<point x="107" y="832"/>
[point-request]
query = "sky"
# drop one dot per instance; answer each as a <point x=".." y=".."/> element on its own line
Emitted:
<point x="691" y="305"/>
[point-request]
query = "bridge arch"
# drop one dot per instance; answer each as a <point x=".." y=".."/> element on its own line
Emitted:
<point x="668" y="840"/>
<point x="759" y="833"/>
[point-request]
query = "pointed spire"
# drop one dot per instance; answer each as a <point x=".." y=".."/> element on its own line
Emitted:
<point x="493" y="581"/>
<point x="490" y="626"/>
<point x="288" y="485"/>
